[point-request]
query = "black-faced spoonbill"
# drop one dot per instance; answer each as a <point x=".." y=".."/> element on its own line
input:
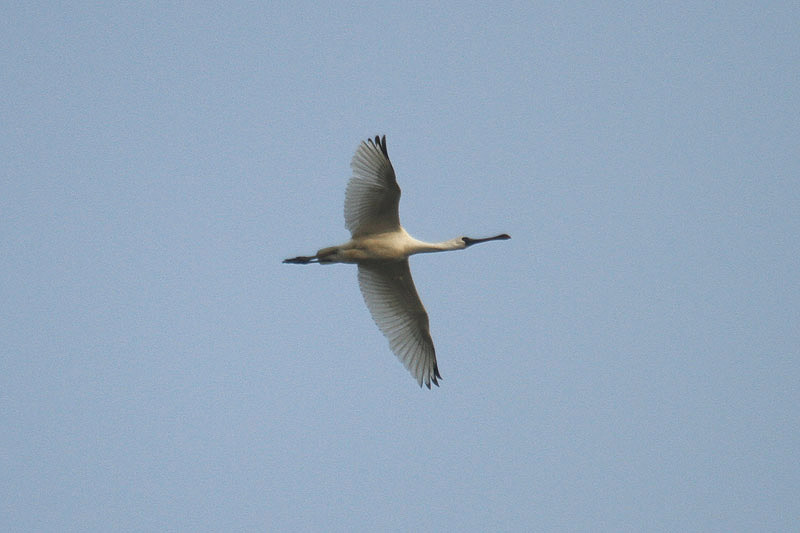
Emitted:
<point x="380" y="247"/>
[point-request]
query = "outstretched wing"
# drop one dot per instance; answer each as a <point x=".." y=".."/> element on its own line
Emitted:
<point x="395" y="306"/>
<point x="372" y="196"/>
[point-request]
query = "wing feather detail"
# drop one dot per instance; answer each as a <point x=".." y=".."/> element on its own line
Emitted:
<point x="392" y="299"/>
<point x="372" y="196"/>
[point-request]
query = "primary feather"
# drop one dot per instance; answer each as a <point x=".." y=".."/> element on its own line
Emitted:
<point x="372" y="196"/>
<point x="392" y="299"/>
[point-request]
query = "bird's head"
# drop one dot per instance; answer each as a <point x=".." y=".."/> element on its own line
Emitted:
<point x="468" y="241"/>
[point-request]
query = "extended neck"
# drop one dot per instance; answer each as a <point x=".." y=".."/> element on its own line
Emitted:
<point x="459" y="243"/>
<point x="421" y="247"/>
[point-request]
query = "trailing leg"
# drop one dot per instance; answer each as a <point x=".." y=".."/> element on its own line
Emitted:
<point x="323" y="256"/>
<point x="302" y="260"/>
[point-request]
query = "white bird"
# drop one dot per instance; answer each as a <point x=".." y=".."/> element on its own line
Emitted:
<point x="380" y="247"/>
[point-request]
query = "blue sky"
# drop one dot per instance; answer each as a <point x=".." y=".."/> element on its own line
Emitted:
<point x="628" y="361"/>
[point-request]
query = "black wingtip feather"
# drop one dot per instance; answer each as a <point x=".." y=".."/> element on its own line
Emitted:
<point x="435" y="378"/>
<point x="380" y="142"/>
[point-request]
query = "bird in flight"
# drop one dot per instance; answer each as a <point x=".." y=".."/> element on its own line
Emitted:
<point x="380" y="247"/>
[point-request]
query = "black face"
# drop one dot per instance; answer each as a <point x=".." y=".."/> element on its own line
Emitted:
<point x="469" y="242"/>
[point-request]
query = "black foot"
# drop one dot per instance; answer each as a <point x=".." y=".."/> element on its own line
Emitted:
<point x="301" y="260"/>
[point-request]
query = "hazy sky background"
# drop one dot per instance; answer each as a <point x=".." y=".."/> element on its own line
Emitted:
<point x="628" y="361"/>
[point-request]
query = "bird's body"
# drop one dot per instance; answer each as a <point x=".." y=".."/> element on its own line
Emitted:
<point x="381" y="247"/>
<point x="388" y="246"/>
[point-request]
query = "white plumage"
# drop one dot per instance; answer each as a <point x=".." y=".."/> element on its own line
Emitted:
<point x="380" y="246"/>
